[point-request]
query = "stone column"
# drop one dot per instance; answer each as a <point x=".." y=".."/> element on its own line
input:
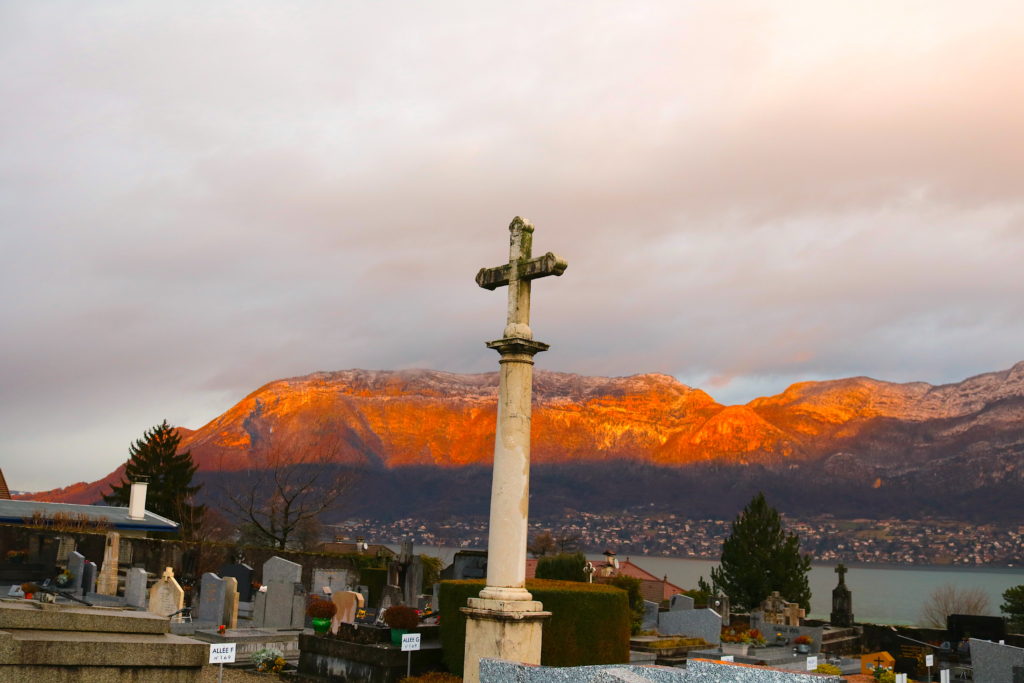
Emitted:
<point x="107" y="582"/>
<point x="510" y="483"/>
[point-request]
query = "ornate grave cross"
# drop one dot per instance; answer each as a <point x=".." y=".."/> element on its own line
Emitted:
<point x="841" y="570"/>
<point x="517" y="274"/>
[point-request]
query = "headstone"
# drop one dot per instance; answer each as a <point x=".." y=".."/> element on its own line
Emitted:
<point x="243" y="573"/>
<point x="390" y="595"/>
<point x="230" y="616"/>
<point x="775" y="610"/>
<point x="89" y="578"/>
<point x="680" y="601"/>
<point x="720" y="603"/>
<point x="365" y="592"/>
<point x="135" y="587"/>
<point x="693" y="623"/>
<point x="412" y="582"/>
<point x="650" y="621"/>
<point x="348" y="603"/>
<point x="335" y="579"/>
<point x="435" y="598"/>
<point x="165" y="596"/>
<point x="76" y="567"/>
<point x="106" y="584"/>
<point x="276" y="606"/>
<point x="212" y="595"/>
<point x="65" y="547"/>
<point x="279" y="570"/>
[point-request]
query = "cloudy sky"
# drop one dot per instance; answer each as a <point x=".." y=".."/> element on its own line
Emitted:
<point x="199" y="198"/>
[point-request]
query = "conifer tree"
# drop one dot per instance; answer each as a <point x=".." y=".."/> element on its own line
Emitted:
<point x="170" y="473"/>
<point x="759" y="557"/>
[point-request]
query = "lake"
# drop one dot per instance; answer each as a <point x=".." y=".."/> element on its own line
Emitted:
<point x="882" y="594"/>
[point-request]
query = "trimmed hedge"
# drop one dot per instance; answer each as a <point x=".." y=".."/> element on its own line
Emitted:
<point x="589" y="622"/>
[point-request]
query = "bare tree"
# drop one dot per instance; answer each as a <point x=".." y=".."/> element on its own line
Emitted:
<point x="948" y="599"/>
<point x="278" y="501"/>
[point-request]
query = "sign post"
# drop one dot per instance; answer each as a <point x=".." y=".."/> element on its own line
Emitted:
<point x="929" y="661"/>
<point x="222" y="653"/>
<point x="410" y="644"/>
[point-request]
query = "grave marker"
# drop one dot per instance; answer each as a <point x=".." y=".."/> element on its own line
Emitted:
<point x="165" y="596"/>
<point x="135" y="587"/>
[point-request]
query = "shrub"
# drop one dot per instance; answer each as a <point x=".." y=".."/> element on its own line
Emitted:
<point x="828" y="669"/>
<point x="631" y="585"/>
<point x="562" y="567"/>
<point x="589" y="622"/>
<point x="401" y="616"/>
<point x="318" y="608"/>
<point x="803" y="640"/>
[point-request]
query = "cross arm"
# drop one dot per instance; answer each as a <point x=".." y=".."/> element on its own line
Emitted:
<point x="541" y="266"/>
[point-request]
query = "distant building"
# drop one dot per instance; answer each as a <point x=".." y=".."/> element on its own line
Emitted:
<point x="651" y="587"/>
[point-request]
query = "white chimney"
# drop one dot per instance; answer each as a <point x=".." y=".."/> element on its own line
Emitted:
<point x="137" y="498"/>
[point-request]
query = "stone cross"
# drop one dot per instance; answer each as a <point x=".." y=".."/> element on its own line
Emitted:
<point x="510" y="488"/>
<point x="841" y="570"/>
<point x="505" y="622"/>
<point x="517" y="274"/>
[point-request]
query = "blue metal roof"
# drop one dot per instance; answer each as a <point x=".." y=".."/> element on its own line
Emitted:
<point x="21" y="511"/>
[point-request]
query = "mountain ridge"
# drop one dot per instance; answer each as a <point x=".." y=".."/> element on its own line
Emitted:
<point x="844" y="430"/>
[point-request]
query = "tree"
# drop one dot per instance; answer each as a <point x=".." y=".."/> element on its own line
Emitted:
<point x="1013" y="607"/>
<point x="759" y="557"/>
<point x="948" y="599"/>
<point x="563" y="567"/>
<point x="542" y="544"/>
<point x="631" y="585"/>
<point x="278" y="501"/>
<point x="170" y="492"/>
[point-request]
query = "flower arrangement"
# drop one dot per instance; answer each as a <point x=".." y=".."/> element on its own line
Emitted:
<point x="17" y="556"/>
<point x="29" y="588"/>
<point x="831" y="669"/>
<point x="803" y="640"/>
<point x="64" y="578"/>
<point x="401" y="616"/>
<point x="360" y="613"/>
<point x="318" y="608"/>
<point x="269" y="660"/>
<point x="734" y="635"/>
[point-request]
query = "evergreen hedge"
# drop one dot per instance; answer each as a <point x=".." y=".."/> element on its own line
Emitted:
<point x="589" y="622"/>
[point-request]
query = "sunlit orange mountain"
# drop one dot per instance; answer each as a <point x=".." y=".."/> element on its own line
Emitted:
<point x="379" y="420"/>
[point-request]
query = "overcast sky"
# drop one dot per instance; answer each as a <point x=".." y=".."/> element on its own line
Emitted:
<point x="199" y="198"/>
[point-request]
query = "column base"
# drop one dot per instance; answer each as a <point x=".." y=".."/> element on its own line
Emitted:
<point x="502" y="629"/>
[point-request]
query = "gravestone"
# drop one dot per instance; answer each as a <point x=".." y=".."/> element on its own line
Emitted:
<point x="348" y="603"/>
<point x="212" y="595"/>
<point x="274" y="606"/>
<point x="776" y="610"/>
<point x="135" y="587"/>
<point x="412" y="581"/>
<point x="242" y="573"/>
<point x="390" y="595"/>
<point x="76" y="567"/>
<point x="165" y="596"/>
<point x="230" y="615"/>
<point x="365" y="592"/>
<point x="720" y="603"/>
<point x="89" y="578"/>
<point x="435" y="598"/>
<point x="842" y="601"/>
<point x="693" y="623"/>
<point x="680" y="601"/>
<point x="106" y="584"/>
<point x="650" y="621"/>
<point x="335" y="579"/>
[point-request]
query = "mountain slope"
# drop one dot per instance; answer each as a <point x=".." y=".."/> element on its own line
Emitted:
<point x="967" y="435"/>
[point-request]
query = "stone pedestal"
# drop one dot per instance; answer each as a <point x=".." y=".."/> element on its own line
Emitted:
<point x="502" y="629"/>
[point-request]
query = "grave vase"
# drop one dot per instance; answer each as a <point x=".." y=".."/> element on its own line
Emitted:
<point x="321" y="625"/>
<point x="396" y="636"/>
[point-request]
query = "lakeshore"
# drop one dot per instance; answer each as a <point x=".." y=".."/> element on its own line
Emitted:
<point x="882" y="594"/>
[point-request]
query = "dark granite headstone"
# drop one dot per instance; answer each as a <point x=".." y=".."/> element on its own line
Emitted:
<point x="842" y="601"/>
<point x="243" y="574"/>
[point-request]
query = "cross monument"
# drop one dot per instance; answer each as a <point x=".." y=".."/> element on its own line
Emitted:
<point x="505" y="622"/>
